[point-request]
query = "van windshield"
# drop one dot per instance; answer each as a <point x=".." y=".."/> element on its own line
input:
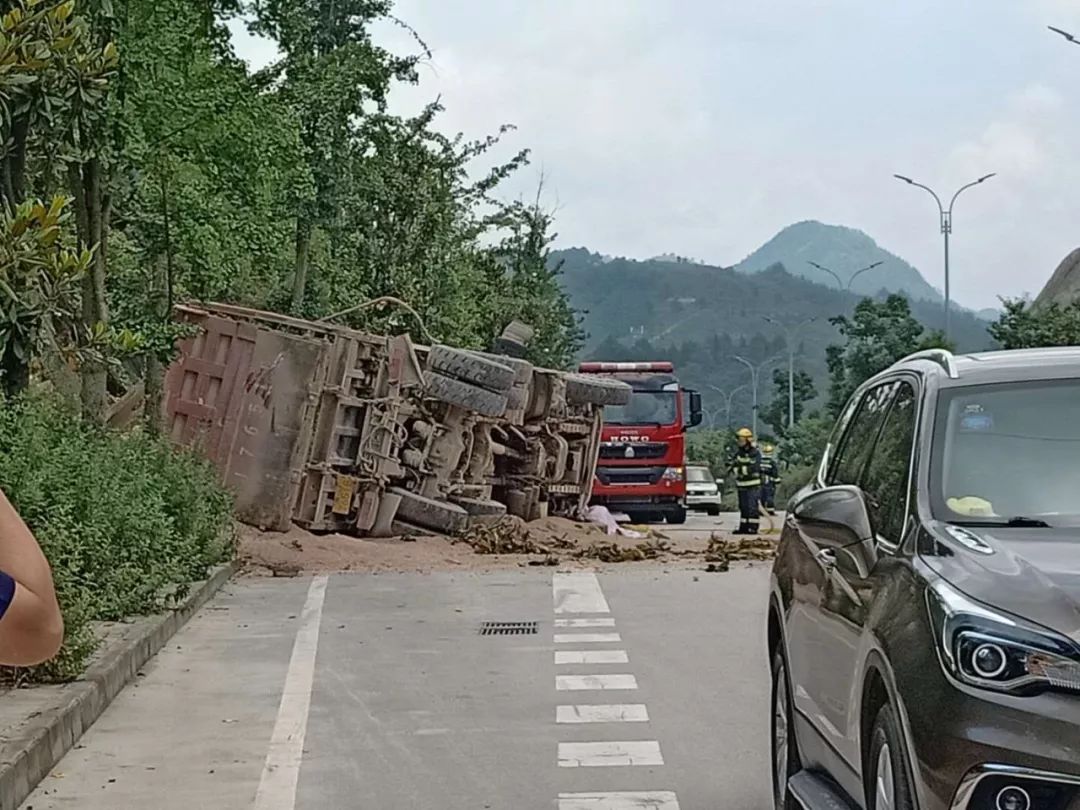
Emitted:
<point x="698" y="475"/>
<point x="1008" y="451"/>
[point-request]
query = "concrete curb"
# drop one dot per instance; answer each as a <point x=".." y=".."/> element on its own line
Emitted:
<point x="42" y="742"/>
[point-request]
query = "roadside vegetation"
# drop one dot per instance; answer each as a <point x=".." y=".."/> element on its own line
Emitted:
<point x="125" y="522"/>
<point x="142" y="163"/>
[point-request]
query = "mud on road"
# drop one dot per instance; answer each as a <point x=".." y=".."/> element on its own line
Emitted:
<point x="499" y="545"/>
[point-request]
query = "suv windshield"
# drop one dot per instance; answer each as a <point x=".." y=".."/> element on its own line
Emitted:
<point x="1007" y="451"/>
<point x="644" y="408"/>
<point x="698" y="475"/>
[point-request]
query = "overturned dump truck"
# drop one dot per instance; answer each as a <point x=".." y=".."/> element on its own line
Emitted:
<point x="339" y="430"/>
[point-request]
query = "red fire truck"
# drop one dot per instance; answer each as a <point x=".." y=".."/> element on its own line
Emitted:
<point x="642" y="466"/>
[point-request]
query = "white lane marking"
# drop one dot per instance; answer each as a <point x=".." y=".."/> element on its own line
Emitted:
<point x="581" y="683"/>
<point x="586" y="638"/>
<point x="578" y="592"/>
<point x="609" y="754"/>
<point x="605" y="713"/>
<point x="648" y="800"/>
<point x="597" y="622"/>
<point x="277" y="786"/>
<point x="591" y="657"/>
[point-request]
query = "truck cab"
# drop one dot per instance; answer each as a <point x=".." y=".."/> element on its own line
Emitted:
<point x="642" y="466"/>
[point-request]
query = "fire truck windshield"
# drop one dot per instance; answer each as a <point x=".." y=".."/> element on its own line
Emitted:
<point x="644" y="408"/>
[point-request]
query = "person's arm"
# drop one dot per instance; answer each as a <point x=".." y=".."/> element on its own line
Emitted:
<point x="31" y="627"/>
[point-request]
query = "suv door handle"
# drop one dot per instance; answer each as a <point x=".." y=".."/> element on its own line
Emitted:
<point x="827" y="558"/>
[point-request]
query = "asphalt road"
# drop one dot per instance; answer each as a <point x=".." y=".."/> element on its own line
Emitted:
<point x="641" y="688"/>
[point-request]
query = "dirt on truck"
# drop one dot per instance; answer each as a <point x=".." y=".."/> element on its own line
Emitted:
<point x="339" y="430"/>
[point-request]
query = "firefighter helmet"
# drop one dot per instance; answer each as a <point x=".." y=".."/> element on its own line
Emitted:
<point x="768" y="448"/>
<point x="744" y="433"/>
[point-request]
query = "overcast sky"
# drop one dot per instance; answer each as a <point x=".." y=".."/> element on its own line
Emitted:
<point x="702" y="127"/>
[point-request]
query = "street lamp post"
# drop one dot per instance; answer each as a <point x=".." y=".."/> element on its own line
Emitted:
<point x="727" y="400"/>
<point x="946" y="226"/>
<point x="841" y="284"/>
<point x="789" y="337"/>
<point x="755" y="372"/>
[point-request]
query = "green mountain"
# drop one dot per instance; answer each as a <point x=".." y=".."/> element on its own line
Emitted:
<point x="699" y="316"/>
<point x="844" y="251"/>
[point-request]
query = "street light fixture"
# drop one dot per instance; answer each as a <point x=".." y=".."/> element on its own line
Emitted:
<point x="789" y="337"/>
<point x="857" y="273"/>
<point x="755" y="374"/>
<point x="1068" y="37"/>
<point x="727" y="399"/>
<point x="946" y="226"/>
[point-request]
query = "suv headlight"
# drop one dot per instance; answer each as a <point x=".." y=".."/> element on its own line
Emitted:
<point x="991" y="650"/>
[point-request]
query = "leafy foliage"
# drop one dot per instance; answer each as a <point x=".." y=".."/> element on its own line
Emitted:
<point x="1022" y="326"/>
<point x="776" y="413"/>
<point x="153" y="518"/>
<point x="878" y="334"/>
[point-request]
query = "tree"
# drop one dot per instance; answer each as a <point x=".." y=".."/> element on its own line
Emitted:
<point x="334" y="78"/>
<point x="878" y="334"/>
<point x="1022" y="326"/>
<point x="776" y="412"/>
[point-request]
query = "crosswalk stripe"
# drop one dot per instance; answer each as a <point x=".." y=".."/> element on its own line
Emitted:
<point x="586" y="638"/>
<point x="603" y="713"/>
<point x="583" y="683"/>
<point x="597" y="622"/>
<point x="647" y="800"/>
<point x="591" y="657"/>
<point x="578" y="592"/>
<point x="609" y="754"/>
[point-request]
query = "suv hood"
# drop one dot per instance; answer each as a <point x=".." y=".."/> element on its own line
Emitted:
<point x="1031" y="573"/>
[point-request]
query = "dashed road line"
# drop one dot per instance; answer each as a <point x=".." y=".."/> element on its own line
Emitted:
<point x="609" y="754"/>
<point x="578" y="592"/>
<point x="648" y="800"/>
<point x="585" y="683"/>
<point x="586" y="638"/>
<point x="603" y="713"/>
<point x="591" y="657"/>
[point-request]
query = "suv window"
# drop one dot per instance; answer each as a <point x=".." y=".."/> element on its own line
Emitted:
<point x="858" y="442"/>
<point x="886" y="479"/>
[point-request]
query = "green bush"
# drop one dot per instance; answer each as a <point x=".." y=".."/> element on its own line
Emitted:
<point x="124" y="520"/>
<point x="792" y="480"/>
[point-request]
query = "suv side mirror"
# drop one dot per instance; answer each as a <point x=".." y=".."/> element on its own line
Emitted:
<point x="694" y="418"/>
<point x="838" y="519"/>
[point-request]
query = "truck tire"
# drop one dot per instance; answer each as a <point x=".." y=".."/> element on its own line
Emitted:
<point x="464" y="395"/>
<point x="481" y="507"/>
<point x="677" y="516"/>
<point x="583" y="390"/>
<point x="430" y="513"/>
<point x="517" y="398"/>
<point x="471" y="367"/>
<point x="522" y="368"/>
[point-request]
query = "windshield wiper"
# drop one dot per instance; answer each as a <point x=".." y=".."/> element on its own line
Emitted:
<point x="1016" y="522"/>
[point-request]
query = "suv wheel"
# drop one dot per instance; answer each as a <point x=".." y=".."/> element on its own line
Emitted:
<point x="888" y="785"/>
<point x="785" y="754"/>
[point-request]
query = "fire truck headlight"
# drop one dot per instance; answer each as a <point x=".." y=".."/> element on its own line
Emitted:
<point x="674" y="474"/>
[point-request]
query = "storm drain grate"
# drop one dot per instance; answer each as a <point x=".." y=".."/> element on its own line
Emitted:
<point x="508" y="628"/>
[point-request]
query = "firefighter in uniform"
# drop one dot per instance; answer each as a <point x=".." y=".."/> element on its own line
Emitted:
<point x="770" y="477"/>
<point x="746" y="465"/>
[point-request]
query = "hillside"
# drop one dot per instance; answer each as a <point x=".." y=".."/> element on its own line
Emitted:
<point x="842" y="250"/>
<point x="699" y="315"/>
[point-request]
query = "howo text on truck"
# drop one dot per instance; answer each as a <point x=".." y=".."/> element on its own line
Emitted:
<point x="642" y="465"/>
